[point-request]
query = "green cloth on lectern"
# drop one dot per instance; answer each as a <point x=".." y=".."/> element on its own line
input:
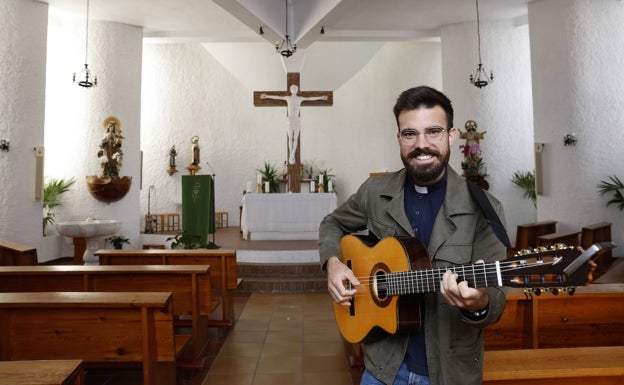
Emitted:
<point x="198" y="218"/>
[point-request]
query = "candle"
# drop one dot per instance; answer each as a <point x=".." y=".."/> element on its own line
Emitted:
<point x="259" y="179"/>
<point x="330" y="186"/>
<point x="266" y="187"/>
<point x="320" y="178"/>
<point x="312" y="186"/>
<point x="249" y="187"/>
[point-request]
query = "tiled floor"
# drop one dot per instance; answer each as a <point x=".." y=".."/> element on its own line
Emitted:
<point x="283" y="339"/>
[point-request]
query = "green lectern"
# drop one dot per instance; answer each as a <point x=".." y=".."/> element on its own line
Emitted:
<point x="198" y="207"/>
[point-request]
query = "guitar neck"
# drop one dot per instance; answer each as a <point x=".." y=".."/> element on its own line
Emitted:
<point x="428" y="280"/>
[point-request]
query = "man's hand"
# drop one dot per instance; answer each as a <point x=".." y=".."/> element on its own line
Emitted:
<point x="337" y="274"/>
<point x="460" y="295"/>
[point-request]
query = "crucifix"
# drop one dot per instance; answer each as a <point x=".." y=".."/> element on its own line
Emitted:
<point x="293" y="99"/>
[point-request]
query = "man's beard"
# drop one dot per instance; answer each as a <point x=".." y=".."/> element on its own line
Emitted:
<point x="426" y="175"/>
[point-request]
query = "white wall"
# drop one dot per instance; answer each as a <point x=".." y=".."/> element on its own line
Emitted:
<point x="577" y="61"/>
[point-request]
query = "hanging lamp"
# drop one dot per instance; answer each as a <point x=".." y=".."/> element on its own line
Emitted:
<point x="286" y="48"/>
<point x="480" y="78"/>
<point x="86" y="79"/>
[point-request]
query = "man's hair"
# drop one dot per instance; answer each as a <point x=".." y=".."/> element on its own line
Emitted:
<point x="423" y="96"/>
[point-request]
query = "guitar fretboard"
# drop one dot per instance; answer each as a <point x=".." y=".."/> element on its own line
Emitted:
<point x="428" y="281"/>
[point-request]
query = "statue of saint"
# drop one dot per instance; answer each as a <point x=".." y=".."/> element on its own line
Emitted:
<point x="172" y="154"/>
<point x="293" y="117"/>
<point x="471" y="149"/>
<point x="195" y="151"/>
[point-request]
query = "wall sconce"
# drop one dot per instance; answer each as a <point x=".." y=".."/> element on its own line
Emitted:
<point x="569" y="140"/>
<point x="4" y="145"/>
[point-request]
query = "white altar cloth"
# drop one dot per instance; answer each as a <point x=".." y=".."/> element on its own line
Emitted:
<point x="285" y="216"/>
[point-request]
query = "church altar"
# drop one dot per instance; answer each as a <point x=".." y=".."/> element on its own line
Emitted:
<point x="285" y="216"/>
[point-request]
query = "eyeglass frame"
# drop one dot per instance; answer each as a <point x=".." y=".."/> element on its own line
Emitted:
<point x="427" y="134"/>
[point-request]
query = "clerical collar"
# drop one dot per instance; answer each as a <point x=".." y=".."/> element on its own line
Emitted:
<point x="427" y="189"/>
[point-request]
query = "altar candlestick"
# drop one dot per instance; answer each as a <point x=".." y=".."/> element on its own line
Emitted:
<point x="267" y="188"/>
<point x="320" y="178"/>
<point x="330" y="186"/>
<point x="312" y="189"/>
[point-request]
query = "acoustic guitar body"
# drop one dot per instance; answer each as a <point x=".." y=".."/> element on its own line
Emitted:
<point x="373" y="312"/>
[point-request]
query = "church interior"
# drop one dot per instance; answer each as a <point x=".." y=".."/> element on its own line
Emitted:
<point x="117" y="117"/>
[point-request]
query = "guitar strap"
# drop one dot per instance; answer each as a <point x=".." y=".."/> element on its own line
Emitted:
<point x="478" y="195"/>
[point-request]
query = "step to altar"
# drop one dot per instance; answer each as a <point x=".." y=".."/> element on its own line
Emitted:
<point x="281" y="278"/>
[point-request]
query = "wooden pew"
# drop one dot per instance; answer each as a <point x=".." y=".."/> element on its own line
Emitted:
<point x="593" y="316"/>
<point x="222" y="270"/>
<point x="190" y="286"/>
<point x="602" y="365"/>
<point x="569" y="238"/>
<point x="526" y="234"/>
<point x="598" y="232"/>
<point x="14" y="254"/>
<point x="98" y="328"/>
<point x="42" y="372"/>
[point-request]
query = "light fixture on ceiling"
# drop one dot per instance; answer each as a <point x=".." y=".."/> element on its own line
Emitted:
<point x="322" y="30"/>
<point x="286" y="48"/>
<point x="480" y="77"/>
<point x="261" y="31"/>
<point x="86" y="79"/>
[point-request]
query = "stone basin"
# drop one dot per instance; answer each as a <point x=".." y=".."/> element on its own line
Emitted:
<point x="90" y="230"/>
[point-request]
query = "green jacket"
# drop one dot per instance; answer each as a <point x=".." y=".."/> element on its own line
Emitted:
<point x="460" y="236"/>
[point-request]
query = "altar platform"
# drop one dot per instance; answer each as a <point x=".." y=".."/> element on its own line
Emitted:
<point x="251" y="251"/>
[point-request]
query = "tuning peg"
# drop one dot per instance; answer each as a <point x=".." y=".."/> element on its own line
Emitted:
<point x="537" y="292"/>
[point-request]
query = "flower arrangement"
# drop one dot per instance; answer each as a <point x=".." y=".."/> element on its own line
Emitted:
<point x="473" y="163"/>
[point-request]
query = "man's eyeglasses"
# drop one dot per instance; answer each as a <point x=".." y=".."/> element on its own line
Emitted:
<point x="432" y="135"/>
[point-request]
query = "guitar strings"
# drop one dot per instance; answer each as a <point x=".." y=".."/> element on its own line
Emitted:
<point x="426" y="277"/>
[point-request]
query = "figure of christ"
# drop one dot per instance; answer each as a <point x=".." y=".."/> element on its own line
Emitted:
<point x="293" y="116"/>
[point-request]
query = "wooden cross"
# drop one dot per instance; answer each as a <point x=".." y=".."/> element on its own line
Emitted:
<point x="293" y="102"/>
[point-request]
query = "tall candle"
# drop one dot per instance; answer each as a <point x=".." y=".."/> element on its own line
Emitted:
<point x="330" y="186"/>
<point x="259" y="179"/>
<point x="320" y="178"/>
<point x="312" y="186"/>
<point x="249" y="187"/>
<point x="266" y="187"/>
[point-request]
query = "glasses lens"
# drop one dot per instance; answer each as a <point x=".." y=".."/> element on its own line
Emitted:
<point x="432" y="135"/>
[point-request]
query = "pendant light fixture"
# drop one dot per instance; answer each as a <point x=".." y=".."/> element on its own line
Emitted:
<point x="286" y="48"/>
<point x="480" y="78"/>
<point x="86" y="79"/>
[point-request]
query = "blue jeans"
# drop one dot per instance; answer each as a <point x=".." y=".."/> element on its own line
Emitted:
<point x="403" y="377"/>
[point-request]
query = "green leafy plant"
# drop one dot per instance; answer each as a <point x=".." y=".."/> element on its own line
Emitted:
<point x="309" y="169"/>
<point x="52" y="191"/>
<point x="269" y="174"/>
<point x="117" y="241"/>
<point x="184" y="240"/>
<point x="525" y="180"/>
<point x="615" y="187"/>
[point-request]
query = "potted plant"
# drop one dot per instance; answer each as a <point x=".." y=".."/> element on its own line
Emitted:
<point x="51" y="198"/>
<point x="117" y="241"/>
<point x="525" y="180"/>
<point x="269" y="174"/>
<point x="109" y="186"/>
<point x="327" y="177"/>
<point x="615" y="187"/>
<point x="184" y="240"/>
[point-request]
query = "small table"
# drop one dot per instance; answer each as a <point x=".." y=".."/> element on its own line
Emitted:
<point x="285" y="216"/>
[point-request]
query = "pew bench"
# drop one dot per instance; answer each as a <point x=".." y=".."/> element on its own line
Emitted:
<point x="599" y="365"/>
<point x="12" y="254"/>
<point x="592" y="316"/>
<point x="190" y="286"/>
<point x="569" y="238"/>
<point x="222" y="263"/>
<point x="98" y="328"/>
<point x="42" y="372"/>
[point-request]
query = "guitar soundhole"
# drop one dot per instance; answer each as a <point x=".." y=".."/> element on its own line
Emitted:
<point x="379" y="285"/>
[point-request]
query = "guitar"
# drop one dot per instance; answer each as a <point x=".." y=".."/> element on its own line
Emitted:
<point x="395" y="271"/>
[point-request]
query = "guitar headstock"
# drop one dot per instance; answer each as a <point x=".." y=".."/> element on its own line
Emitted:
<point x="555" y="269"/>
